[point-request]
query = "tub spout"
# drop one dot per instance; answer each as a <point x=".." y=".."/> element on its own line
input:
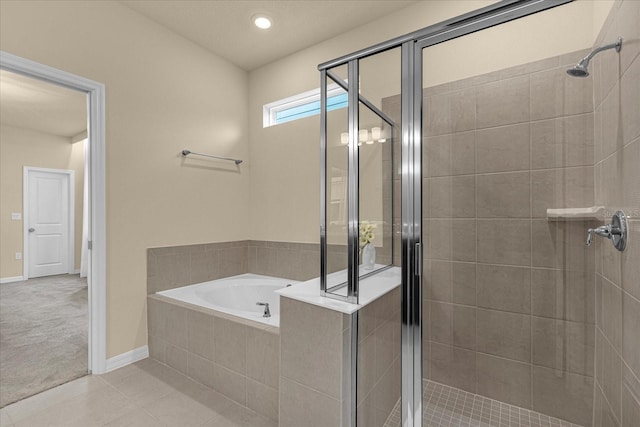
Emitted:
<point x="267" y="313"/>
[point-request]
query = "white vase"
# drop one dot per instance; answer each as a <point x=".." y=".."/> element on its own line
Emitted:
<point x="368" y="256"/>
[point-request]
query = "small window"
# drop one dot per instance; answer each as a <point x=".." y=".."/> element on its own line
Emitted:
<point x="302" y="105"/>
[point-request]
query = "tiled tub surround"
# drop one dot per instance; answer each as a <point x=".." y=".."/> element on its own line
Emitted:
<point x="617" y="186"/>
<point x="296" y="261"/>
<point x="379" y="358"/>
<point x="236" y="357"/>
<point x="314" y="357"/>
<point x="316" y="339"/>
<point x="176" y="266"/>
<point x="509" y="296"/>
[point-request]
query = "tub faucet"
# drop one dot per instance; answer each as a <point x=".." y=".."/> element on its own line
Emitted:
<point x="267" y="313"/>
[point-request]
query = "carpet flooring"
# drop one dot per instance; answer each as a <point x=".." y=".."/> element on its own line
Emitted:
<point x="43" y="335"/>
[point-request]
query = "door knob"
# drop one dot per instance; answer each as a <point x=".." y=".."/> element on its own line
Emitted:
<point x="31" y="230"/>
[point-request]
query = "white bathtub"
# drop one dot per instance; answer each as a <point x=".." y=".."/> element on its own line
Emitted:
<point x="236" y="295"/>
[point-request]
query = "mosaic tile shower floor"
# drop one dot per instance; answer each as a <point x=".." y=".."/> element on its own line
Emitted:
<point x="446" y="406"/>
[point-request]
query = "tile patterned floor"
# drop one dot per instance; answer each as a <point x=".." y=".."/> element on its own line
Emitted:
<point x="145" y="393"/>
<point x="148" y="393"/>
<point x="446" y="406"/>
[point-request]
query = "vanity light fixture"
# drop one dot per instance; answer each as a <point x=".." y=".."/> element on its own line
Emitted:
<point x="261" y="21"/>
<point x="365" y="136"/>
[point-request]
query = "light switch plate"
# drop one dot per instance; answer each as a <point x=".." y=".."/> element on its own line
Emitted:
<point x="16" y="216"/>
<point x="18" y="255"/>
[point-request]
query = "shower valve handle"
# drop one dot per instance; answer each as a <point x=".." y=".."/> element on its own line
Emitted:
<point x="616" y="231"/>
<point x="603" y="231"/>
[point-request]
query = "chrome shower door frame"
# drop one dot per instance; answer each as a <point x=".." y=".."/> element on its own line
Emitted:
<point x="353" y="200"/>
<point x="412" y="46"/>
<point x="355" y="99"/>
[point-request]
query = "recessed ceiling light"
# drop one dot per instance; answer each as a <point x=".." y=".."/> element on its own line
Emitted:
<point x="261" y="22"/>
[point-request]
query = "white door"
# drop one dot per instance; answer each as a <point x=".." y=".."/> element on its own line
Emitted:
<point x="48" y="222"/>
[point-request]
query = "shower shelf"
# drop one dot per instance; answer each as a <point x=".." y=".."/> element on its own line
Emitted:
<point x="576" y="214"/>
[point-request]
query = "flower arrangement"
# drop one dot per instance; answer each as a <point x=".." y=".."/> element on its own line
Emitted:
<point x="366" y="233"/>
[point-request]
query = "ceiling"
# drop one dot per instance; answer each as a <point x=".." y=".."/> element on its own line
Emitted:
<point x="224" y="27"/>
<point x="45" y="107"/>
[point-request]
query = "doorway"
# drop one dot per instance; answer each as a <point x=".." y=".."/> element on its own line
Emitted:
<point x="94" y="182"/>
<point x="44" y="319"/>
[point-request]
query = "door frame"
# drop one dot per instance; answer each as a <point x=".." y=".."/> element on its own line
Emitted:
<point x="71" y="235"/>
<point x="95" y="91"/>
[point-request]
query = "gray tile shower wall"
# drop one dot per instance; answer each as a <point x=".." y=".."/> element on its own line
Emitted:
<point x="617" y="186"/>
<point x="508" y="296"/>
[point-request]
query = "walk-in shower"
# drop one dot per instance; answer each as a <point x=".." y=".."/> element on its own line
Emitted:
<point x="498" y="163"/>
<point x="581" y="69"/>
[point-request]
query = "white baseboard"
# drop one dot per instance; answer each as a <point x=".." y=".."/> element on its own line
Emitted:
<point x="127" y="358"/>
<point x="12" y="279"/>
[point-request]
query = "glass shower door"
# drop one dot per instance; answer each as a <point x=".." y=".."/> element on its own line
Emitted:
<point x="379" y="323"/>
<point x="495" y="313"/>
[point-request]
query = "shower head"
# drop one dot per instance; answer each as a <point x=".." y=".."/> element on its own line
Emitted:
<point x="581" y="69"/>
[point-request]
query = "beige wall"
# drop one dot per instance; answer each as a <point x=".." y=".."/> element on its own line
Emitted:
<point x="163" y="94"/>
<point x="285" y="158"/>
<point x="23" y="147"/>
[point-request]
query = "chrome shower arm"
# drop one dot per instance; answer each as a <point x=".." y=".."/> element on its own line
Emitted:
<point x="617" y="45"/>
